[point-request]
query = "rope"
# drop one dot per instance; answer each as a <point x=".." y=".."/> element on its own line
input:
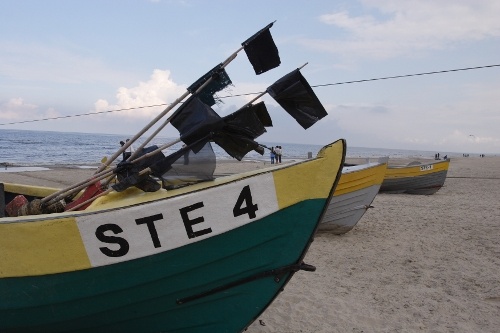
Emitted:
<point x="256" y="93"/>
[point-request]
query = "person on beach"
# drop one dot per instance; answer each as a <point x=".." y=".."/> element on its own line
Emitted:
<point x="272" y="154"/>
<point x="278" y="152"/>
<point x="124" y="153"/>
<point x="128" y="152"/>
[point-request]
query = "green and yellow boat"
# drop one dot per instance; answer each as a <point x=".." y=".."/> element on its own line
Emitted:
<point x="208" y="257"/>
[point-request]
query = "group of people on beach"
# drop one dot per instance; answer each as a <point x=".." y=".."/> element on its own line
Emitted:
<point x="275" y="154"/>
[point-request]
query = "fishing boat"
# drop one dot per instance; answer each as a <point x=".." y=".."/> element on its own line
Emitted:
<point x="416" y="177"/>
<point x="354" y="194"/>
<point x="209" y="257"/>
<point x="155" y="243"/>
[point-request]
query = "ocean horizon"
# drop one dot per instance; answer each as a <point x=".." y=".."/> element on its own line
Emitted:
<point x="49" y="148"/>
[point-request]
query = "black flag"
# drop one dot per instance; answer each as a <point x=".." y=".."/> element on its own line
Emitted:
<point x="129" y="173"/>
<point x="296" y="96"/>
<point x="261" y="51"/>
<point x="260" y="111"/>
<point x="250" y="121"/>
<point x="220" y="80"/>
<point x="195" y="120"/>
<point x="236" y="145"/>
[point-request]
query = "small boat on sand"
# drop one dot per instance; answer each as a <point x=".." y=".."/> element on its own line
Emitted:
<point x="416" y="177"/>
<point x="208" y="257"/>
<point x="354" y="194"/>
<point x="155" y="243"/>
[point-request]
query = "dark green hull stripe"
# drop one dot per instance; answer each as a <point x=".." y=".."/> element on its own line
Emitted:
<point x="140" y="295"/>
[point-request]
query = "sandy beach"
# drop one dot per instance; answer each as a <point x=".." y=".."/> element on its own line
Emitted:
<point x="412" y="264"/>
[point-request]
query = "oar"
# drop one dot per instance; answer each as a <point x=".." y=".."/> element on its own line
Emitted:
<point x="224" y="64"/>
<point x="177" y="101"/>
<point x="127" y="144"/>
<point x="158" y="169"/>
<point x="157" y="118"/>
<point x="80" y="185"/>
<point x="146" y="171"/>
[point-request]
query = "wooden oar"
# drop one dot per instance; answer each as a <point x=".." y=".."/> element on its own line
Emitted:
<point x="140" y="133"/>
<point x="224" y="64"/>
<point x="127" y="144"/>
<point x="161" y="115"/>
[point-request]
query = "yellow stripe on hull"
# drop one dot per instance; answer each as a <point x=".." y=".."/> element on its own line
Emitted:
<point x="47" y="244"/>
<point x="416" y="170"/>
<point x="28" y="190"/>
<point x="359" y="179"/>
<point x="291" y="190"/>
<point x="44" y="247"/>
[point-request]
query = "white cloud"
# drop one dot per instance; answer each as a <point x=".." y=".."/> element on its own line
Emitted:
<point x="403" y="27"/>
<point x="159" y="89"/>
<point x="16" y="109"/>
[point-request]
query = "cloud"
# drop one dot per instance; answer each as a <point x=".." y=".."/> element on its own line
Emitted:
<point x="160" y="89"/>
<point x="16" y="109"/>
<point x="393" y="28"/>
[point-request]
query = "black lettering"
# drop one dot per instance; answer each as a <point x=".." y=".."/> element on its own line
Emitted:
<point x="150" y="222"/>
<point x="188" y="224"/>
<point x="124" y="246"/>
<point x="250" y="208"/>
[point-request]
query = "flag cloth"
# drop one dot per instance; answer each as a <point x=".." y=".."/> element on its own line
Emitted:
<point x="260" y="111"/>
<point x="186" y="166"/>
<point x="245" y="121"/>
<point x="296" y="96"/>
<point x="236" y="145"/>
<point x="220" y="80"/>
<point x="195" y="120"/>
<point x="128" y="173"/>
<point x="262" y="51"/>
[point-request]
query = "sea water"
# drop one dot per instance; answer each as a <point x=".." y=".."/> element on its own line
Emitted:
<point x="41" y="148"/>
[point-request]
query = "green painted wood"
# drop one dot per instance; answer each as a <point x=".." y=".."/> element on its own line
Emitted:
<point x="140" y="295"/>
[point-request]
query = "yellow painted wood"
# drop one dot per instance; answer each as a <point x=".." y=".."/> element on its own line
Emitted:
<point x="360" y="179"/>
<point x="290" y="189"/>
<point x="414" y="170"/>
<point x="45" y="247"/>
<point x="36" y="191"/>
<point x="41" y="245"/>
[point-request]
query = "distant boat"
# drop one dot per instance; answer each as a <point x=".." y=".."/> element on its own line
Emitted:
<point x="208" y="257"/>
<point x="354" y="194"/>
<point x="416" y="177"/>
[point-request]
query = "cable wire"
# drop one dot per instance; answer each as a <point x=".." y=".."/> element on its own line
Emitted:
<point x="256" y="93"/>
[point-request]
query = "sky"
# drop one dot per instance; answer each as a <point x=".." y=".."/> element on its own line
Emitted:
<point x="64" y="59"/>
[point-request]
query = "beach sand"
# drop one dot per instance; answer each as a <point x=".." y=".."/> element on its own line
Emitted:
<point x="412" y="263"/>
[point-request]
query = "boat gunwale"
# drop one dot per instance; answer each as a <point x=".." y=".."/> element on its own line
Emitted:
<point x="217" y="182"/>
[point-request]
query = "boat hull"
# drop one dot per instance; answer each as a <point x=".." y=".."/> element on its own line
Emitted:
<point x="99" y="299"/>
<point x="424" y="179"/>
<point x="353" y="195"/>
<point x="209" y="257"/>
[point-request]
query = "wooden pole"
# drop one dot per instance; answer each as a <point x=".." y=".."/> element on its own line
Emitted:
<point x="127" y="144"/>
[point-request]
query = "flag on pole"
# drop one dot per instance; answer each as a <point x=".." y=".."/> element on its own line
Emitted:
<point x="236" y="145"/>
<point x="296" y="96"/>
<point x="247" y="121"/>
<point x="260" y="111"/>
<point x="220" y="80"/>
<point x="262" y="51"/>
<point x="195" y="120"/>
